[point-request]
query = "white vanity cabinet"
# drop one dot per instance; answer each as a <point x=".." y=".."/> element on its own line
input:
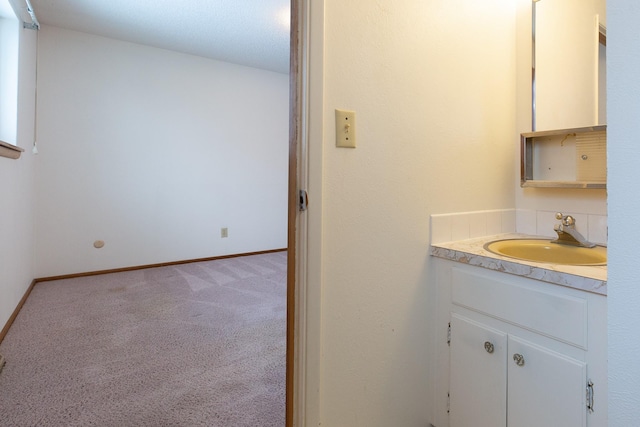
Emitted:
<point x="518" y="352"/>
<point x="498" y="379"/>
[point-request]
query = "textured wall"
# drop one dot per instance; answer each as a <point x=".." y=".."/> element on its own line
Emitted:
<point x="623" y="62"/>
<point x="154" y="152"/>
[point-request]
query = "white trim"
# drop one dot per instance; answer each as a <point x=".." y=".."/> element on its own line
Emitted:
<point x="307" y="363"/>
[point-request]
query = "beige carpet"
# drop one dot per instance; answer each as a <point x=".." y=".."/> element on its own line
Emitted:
<point x="199" y="344"/>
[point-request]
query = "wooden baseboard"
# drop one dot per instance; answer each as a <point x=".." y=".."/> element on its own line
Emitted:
<point x="162" y="264"/>
<point x="13" y="316"/>
<point x="117" y="270"/>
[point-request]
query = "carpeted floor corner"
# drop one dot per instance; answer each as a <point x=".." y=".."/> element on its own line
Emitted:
<point x="199" y="344"/>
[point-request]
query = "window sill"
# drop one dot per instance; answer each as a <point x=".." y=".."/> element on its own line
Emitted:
<point x="10" y="151"/>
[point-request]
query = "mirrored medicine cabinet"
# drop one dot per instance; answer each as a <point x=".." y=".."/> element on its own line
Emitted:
<point x="567" y="145"/>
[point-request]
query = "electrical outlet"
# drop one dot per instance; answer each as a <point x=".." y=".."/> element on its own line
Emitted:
<point x="224" y="232"/>
<point x="345" y="128"/>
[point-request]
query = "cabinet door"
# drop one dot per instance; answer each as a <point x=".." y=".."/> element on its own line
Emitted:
<point x="545" y="388"/>
<point x="478" y="375"/>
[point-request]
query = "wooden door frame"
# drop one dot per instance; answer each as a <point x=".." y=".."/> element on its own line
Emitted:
<point x="303" y="241"/>
<point x="293" y="389"/>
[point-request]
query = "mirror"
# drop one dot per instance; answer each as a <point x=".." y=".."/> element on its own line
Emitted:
<point x="569" y="64"/>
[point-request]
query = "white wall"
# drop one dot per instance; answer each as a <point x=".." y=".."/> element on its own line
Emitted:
<point x="17" y="192"/>
<point x="153" y="152"/>
<point x="623" y="63"/>
<point x="433" y="87"/>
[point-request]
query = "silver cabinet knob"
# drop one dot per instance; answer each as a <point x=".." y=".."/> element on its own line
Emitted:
<point x="488" y="346"/>
<point x="519" y="359"/>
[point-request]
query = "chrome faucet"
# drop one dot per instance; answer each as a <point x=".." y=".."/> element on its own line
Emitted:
<point x="567" y="233"/>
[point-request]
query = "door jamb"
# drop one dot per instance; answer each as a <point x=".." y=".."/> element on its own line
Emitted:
<point x="296" y="256"/>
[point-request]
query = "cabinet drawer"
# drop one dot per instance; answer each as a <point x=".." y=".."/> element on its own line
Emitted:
<point x="562" y="317"/>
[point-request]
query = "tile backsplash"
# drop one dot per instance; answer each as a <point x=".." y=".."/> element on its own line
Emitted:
<point x="592" y="227"/>
<point x="467" y="225"/>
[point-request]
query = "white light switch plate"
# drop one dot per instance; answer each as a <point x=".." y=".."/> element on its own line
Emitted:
<point x="345" y="128"/>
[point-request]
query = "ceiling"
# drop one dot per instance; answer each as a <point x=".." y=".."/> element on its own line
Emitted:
<point x="247" y="32"/>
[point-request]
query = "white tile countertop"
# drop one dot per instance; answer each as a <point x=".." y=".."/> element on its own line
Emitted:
<point x="472" y="252"/>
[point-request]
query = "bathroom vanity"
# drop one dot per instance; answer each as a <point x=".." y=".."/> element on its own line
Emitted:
<point x="519" y="343"/>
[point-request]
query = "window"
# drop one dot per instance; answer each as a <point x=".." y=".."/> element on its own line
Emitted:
<point x="9" y="44"/>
